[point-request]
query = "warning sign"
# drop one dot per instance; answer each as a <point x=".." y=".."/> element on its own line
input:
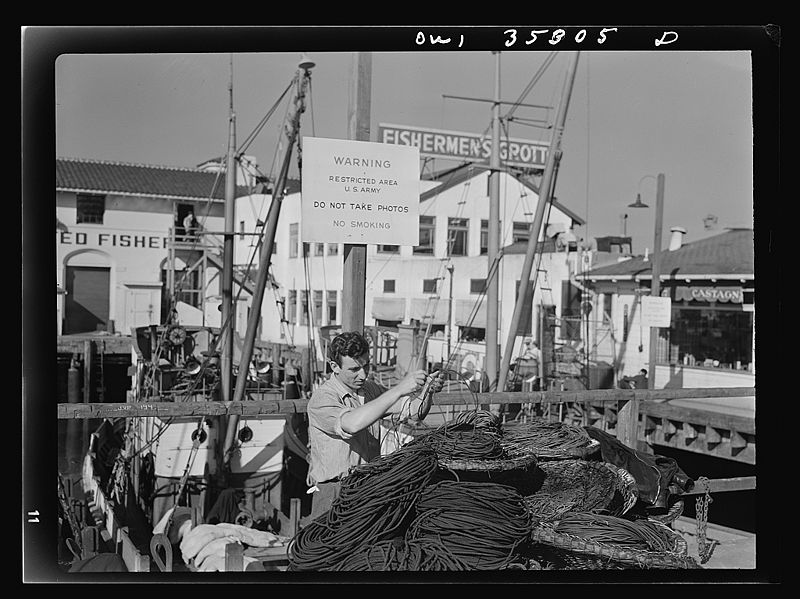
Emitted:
<point x="359" y="192"/>
<point x="656" y="311"/>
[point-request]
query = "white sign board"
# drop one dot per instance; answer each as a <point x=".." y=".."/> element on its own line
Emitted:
<point x="359" y="192"/>
<point x="656" y="311"/>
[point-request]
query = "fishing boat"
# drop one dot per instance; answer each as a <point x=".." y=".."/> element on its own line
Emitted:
<point x="145" y="476"/>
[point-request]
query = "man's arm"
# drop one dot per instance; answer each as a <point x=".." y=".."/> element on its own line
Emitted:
<point x="372" y="411"/>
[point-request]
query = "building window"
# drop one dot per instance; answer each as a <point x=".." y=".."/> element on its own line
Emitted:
<point x="457" y="229"/>
<point x="388" y="249"/>
<point x="477" y="285"/>
<point x="525" y="325"/>
<point x="333" y="249"/>
<point x="304" y="308"/>
<point x="520" y="232"/>
<point x="485" y="236"/>
<point x="318" y="314"/>
<point x="429" y="286"/>
<point x="607" y="307"/>
<point x="427" y="230"/>
<point x="293" y="239"/>
<point x="291" y="307"/>
<point x="241" y="229"/>
<point x="331" y="301"/>
<point x="319" y="249"/>
<point x="570" y="311"/>
<point x="90" y="209"/>
<point x="708" y="337"/>
<point x="388" y="285"/>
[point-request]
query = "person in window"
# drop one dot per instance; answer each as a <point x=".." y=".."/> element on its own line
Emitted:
<point x="344" y="414"/>
<point x="190" y="225"/>
<point x="639" y="381"/>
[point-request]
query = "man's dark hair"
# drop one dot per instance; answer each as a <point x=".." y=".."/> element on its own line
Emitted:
<point x="643" y="371"/>
<point x="351" y="344"/>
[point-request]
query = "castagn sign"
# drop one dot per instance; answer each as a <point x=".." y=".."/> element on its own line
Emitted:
<point x="359" y="192"/>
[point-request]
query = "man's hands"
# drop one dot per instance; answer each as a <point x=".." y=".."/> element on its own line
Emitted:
<point x="411" y="382"/>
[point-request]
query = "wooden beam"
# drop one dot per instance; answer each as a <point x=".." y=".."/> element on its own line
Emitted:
<point x="719" y="485"/>
<point x="188" y="409"/>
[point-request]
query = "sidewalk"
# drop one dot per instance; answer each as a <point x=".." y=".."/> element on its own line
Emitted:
<point x="733" y="549"/>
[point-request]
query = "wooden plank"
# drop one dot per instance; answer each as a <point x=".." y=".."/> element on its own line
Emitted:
<point x="701" y="417"/>
<point x="234" y="557"/>
<point x="294" y="516"/>
<point x="720" y="485"/>
<point x="459" y="398"/>
<point x="194" y="408"/>
<point x="134" y="560"/>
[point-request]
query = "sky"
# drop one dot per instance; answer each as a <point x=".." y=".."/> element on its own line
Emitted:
<point x="631" y="116"/>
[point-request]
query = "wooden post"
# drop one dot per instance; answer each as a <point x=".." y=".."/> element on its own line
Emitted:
<point x="655" y="285"/>
<point x="87" y="387"/>
<point x="354" y="274"/>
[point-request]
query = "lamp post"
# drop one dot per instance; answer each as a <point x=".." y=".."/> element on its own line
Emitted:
<point x="655" y="285"/>
<point x="628" y="412"/>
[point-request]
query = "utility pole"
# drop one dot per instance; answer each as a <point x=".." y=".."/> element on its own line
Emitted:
<point x="226" y="361"/>
<point x="354" y="273"/>
<point x="545" y="197"/>
<point x="450" y="269"/>
<point x="655" y="285"/>
<point x="492" y="349"/>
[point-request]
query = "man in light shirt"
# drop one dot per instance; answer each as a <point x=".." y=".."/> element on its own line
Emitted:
<point x="344" y="414"/>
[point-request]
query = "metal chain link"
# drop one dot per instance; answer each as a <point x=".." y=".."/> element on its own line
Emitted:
<point x="702" y="502"/>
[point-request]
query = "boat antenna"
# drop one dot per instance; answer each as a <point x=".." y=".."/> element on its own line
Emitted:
<point x="226" y="361"/>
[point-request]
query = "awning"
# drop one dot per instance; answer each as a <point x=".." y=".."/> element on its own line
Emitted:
<point x="433" y="310"/>
<point x="469" y="314"/>
<point x="389" y="308"/>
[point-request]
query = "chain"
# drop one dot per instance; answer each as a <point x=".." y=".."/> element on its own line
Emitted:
<point x="702" y="502"/>
<point x="69" y="515"/>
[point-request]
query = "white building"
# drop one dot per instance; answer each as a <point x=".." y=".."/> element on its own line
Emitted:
<point x="113" y="255"/>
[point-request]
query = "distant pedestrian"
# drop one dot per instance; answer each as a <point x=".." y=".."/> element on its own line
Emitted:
<point x="639" y="381"/>
<point x="190" y="225"/>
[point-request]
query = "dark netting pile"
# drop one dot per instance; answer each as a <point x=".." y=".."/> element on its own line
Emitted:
<point x="453" y="499"/>
<point x="580" y="486"/>
<point x="547" y="439"/>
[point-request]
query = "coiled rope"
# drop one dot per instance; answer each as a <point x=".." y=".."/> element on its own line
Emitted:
<point x="480" y="523"/>
<point x="401" y="554"/>
<point x="545" y="438"/>
<point x="375" y="499"/>
<point x="643" y="535"/>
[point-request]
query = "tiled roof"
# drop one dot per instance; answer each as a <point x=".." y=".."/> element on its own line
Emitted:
<point x="729" y="253"/>
<point x="460" y="174"/>
<point x="98" y="176"/>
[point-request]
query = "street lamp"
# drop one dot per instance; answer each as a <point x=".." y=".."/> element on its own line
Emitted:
<point x="655" y="285"/>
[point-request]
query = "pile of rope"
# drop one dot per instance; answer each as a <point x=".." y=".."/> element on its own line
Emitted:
<point x="403" y="555"/>
<point x="375" y="501"/>
<point x="482" y="524"/>
<point x="572" y="485"/>
<point x="545" y="439"/>
<point x="642" y="535"/>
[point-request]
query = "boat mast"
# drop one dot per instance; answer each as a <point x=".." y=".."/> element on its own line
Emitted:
<point x="226" y="332"/>
<point x="493" y="241"/>
<point x="271" y="227"/>
<point x="545" y="197"/>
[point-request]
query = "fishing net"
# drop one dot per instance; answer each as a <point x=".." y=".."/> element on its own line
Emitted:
<point x="547" y="440"/>
<point x="580" y="486"/>
<point x="472" y="442"/>
<point x="582" y="541"/>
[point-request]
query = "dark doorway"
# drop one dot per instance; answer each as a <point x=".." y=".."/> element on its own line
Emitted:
<point x="86" y="307"/>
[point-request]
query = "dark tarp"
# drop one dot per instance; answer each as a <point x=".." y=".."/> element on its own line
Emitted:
<point x="653" y="473"/>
